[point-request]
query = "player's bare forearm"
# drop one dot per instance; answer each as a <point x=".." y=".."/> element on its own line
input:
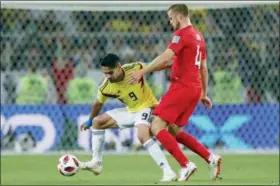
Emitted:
<point x="166" y="66"/>
<point x="204" y="77"/>
<point x="96" y="107"/>
<point x="161" y="62"/>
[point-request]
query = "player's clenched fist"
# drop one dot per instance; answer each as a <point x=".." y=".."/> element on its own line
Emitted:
<point x="206" y="102"/>
<point x="87" y="124"/>
<point x="83" y="127"/>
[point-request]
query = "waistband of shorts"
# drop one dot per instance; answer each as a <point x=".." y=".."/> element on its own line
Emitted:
<point x="185" y="84"/>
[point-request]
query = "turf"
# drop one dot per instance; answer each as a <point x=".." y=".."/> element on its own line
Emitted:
<point x="138" y="170"/>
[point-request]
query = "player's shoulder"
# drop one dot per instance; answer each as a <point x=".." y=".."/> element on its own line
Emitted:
<point x="183" y="31"/>
<point x="104" y="84"/>
<point x="200" y="34"/>
<point x="133" y="66"/>
<point x="180" y="34"/>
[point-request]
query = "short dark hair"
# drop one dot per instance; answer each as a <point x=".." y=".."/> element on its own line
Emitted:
<point x="110" y="60"/>
<point x="179" y="8"/>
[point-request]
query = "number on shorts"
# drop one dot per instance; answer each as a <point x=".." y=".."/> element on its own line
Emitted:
<point x="133" y="96"/>
<point x="145" y="116"/>
<point x="198" y="57"/>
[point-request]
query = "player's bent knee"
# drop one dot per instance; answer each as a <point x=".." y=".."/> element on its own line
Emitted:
<point x="104" y="121"/>
<point x="157" y="125"/>
<point x="174" y="129"/>
<point x="171" y="131"/>
<point x="143" y="133"/>
<point x="97" y="123"/>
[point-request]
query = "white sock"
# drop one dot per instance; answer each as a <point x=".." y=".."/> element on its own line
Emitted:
<point x="97" y="143"/>
<point x="157" y="155"/>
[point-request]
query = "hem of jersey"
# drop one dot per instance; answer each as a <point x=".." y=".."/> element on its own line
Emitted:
<point x="142" y="108"/>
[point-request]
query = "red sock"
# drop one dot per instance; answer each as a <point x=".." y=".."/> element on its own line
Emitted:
<point x="171" y="145"/>
<point x="193" y="144"/>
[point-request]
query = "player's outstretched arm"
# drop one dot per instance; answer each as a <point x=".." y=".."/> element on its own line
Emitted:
<point x="96" y="107"/>
<point x="168" y="65"/>
<point x="159" y="63"/>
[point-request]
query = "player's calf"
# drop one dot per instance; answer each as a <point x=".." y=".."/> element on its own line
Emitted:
<point x="145" y="137"/>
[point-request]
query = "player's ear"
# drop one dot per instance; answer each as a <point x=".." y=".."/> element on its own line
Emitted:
<point x="180" y="16"/>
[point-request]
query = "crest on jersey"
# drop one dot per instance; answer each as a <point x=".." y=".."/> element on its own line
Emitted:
<point x="175" y="39"/>
<point x="198" y="37"/>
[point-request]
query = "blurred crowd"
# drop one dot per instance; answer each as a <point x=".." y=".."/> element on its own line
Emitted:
<point x="53" y="56"/>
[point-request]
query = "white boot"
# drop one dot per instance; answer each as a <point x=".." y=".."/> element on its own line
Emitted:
<point x="169" y="176"/>
<point x="186" y="173"/>
<point x="215" y="166"/>
<point x="93" y="166"/>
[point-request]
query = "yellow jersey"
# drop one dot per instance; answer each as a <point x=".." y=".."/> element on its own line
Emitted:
<point x="135" y="96"/>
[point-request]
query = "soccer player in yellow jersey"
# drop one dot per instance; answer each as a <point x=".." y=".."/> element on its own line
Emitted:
<point x="139" y="100"/>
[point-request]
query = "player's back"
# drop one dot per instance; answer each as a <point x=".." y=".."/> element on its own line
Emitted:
<point x="134" y="96"/>
<point x="189" y="51"/>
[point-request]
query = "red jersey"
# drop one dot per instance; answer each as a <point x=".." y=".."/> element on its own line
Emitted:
<point x="189" y="47"/>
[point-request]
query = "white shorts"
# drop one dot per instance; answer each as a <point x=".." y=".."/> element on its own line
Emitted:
<point x="127" y="119"/>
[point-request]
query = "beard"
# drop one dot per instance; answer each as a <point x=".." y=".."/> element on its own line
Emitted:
<point x="177" y="26"/>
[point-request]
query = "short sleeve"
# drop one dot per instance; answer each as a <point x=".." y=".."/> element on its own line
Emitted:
<point x="143" y="64"/>
<point x="101" y="97"/>
<point x="177" y="43"/>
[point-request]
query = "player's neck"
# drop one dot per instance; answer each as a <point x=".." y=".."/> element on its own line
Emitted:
<point x="121" y="77"/>
<point x="185" y="23"/>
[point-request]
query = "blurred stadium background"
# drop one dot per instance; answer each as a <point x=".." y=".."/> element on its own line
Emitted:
<point x="50" y="72"/>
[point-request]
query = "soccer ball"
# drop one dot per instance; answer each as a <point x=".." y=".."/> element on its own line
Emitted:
<point x="68" y="165"/>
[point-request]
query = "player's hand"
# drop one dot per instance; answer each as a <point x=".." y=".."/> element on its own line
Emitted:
<point x="206" y="101"/>
<point x="87" y="124"/>
<point x="134" y="77"/>
<point x="83" y="127"/>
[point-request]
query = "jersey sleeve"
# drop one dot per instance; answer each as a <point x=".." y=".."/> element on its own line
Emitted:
<point x="101" y="97"/>
<point x="140" y="64"/>
<point x="143" y="64"/>
<point x="177" y="43"/>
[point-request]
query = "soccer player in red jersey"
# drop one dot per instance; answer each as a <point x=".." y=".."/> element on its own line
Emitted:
<point x="189" y="85"/>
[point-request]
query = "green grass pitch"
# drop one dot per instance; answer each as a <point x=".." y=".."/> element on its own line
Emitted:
<point x="138" y="170"/>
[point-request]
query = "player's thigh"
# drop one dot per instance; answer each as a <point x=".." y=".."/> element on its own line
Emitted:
<point x="170" y="106"/>
<point x="142" y="122"/>
<point x="104" y="121"/>
<point x="157" y="125"/>
<point x="143" y="117"/>
<point x="189" y="109"/>
<point x="122" y="117"/>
